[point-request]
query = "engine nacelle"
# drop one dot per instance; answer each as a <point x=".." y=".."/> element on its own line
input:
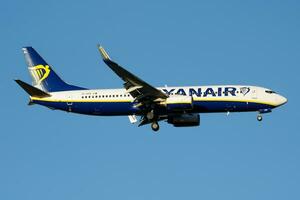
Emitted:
<point x="179" y="103"/>
<point x="184" y="120"/>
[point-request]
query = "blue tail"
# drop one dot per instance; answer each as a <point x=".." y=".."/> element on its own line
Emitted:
<point x="43" y="75"/>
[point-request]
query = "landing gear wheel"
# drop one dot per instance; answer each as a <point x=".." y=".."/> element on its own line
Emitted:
<point x="259" y="117"/>
<point x="155" y="126"/>
<point x="150" y="115"/>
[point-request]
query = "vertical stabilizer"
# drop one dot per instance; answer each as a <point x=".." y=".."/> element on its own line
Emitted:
<point x="43" y="76"/>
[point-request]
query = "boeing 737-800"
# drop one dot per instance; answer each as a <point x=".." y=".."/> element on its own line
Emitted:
<point x="179" y="106"/>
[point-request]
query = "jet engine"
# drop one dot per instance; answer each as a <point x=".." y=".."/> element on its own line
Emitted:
<point x="184" y="120"/>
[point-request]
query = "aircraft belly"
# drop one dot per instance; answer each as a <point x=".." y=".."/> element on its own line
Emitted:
<point x="126" y="108"/>
<point x="225" y="106"/>
<point x="93" y="108"/>
<point x="105" y="108"/>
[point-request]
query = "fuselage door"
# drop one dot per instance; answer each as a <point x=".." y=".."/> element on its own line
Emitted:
<point x="254" y="94"/>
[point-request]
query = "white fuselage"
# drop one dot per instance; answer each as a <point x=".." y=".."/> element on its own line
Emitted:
<point x="221" y="98"/>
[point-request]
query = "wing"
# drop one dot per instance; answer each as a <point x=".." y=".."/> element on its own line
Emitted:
<point x="139" y="89"/>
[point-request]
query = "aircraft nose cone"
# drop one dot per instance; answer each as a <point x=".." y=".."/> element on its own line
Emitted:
<point x="281" y="100"/>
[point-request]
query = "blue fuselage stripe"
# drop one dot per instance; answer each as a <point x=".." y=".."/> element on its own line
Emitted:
<point x="127" y="108"/>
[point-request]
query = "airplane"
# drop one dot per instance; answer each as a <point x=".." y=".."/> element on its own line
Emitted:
<point x="179" y="106"/>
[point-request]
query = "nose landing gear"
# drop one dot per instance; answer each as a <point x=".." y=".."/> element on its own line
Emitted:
<point x="259" y="117"/>
<point x="262" y="111"/>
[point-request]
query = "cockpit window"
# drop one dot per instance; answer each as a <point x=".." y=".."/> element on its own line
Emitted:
<point x="270" y="92"/>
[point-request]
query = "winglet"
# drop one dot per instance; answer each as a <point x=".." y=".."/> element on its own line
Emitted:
<point x="103" y="53"/>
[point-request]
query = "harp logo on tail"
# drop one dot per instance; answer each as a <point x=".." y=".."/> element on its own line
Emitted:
<point x="40" y="73"/>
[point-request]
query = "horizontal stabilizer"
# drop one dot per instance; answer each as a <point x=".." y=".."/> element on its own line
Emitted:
<point x="32" y="91"/>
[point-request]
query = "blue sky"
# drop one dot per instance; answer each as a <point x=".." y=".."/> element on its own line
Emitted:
<point x="48" y="154"/>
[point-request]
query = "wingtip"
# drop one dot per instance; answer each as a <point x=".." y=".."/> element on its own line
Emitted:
<point x="103" y="53"/>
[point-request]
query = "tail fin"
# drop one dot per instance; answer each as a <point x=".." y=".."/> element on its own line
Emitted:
<point x="43" y="75"/>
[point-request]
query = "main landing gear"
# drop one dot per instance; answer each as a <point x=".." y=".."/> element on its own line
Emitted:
<point x="155" y="126"/>
<point x="153" y="118"/>
<point x="150" y="115"/>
